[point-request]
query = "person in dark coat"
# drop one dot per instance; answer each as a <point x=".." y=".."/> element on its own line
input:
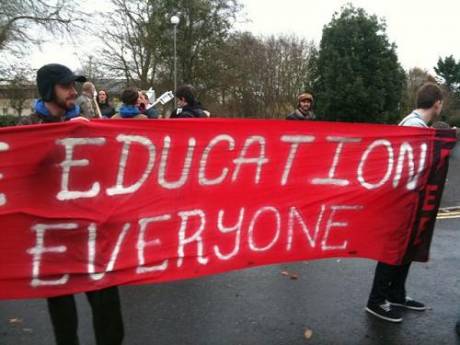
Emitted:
<point x="304" y="110"/>
<point x="105" y="106"/>
<point x="56" y="86"/>
<point x="187" y="104"/>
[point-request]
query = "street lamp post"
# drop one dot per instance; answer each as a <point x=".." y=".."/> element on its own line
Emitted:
<point x="174" y="21"/>
<point x="90" y="67"/>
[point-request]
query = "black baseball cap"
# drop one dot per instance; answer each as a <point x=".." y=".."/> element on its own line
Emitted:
<point x="54" y="74"/>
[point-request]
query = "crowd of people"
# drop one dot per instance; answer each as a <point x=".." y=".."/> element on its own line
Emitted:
<point x="93" y="104"/>
<point x="59" y="102"/>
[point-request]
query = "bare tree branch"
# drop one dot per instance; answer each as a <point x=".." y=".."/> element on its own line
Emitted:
<point x="20" y="18"/>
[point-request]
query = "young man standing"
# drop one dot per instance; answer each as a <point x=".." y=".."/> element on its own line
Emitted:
<point x="389" y="286"/>
<point x="129" y="108"/>
<point x="56" y="86"/>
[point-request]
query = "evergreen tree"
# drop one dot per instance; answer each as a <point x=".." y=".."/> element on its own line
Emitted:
<point x="449" y="70"/>
<point x="448" y="73"/>
<point x="359" y="76"/>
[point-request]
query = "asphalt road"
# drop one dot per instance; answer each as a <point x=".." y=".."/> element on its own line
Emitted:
<point x="451" y="195"/>
<point x="263" y="306"/>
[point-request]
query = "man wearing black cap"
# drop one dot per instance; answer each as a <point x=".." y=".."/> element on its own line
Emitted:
<point x="56" y="86"/>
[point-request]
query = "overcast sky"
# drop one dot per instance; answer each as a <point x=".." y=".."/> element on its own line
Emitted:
<point x="423" y="30"/>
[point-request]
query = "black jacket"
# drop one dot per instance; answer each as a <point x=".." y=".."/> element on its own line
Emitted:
<point x="188" y="112"/>
<point x="37" y="118"/>
<point x="298" y="115"/>
<point x="106" y="109"/>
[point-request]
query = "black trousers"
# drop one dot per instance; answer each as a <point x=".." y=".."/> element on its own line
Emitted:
<point x="107" y="320"/>
<point x="389" y="283"/>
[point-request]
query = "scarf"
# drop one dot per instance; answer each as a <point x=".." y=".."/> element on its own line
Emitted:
<point x="128" y="111"/>
<point x="41" y="109"/>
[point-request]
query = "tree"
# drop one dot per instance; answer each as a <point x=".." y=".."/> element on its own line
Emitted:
<point x="19" y="20"/>
<point x="91" y="69"/>
<point x="449" y="70"/>
<point x="202" y="31"/>
<point x="17" y="87"/>
<point x="235" y="74"/>
<point x="240" y="89"/>
<point x="131" y="36"/>
<point x="18" y="93"/>
<point x="415" y="78"/>
<point x="261" y="77"/>
<point x="138" y="39"/>
<point x="359" y="76"/>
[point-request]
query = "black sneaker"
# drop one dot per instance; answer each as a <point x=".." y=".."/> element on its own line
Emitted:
<point x="384" y="312"/>
<point x="409" y="303"/>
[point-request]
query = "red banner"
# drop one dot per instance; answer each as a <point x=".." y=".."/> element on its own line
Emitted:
<point x="95" y="204"/>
